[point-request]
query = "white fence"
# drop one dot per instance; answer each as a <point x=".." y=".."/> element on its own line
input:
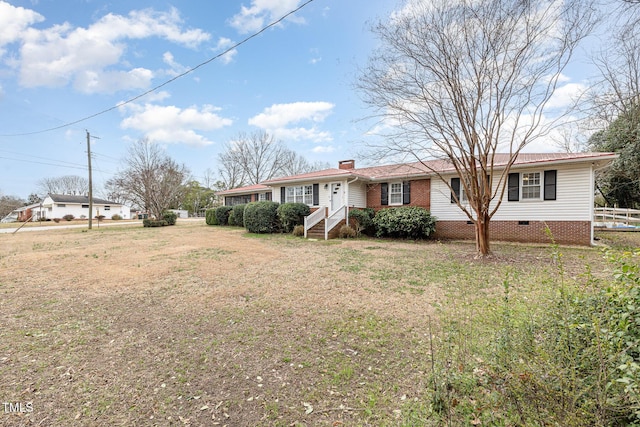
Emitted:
<point x="616" y="217"/>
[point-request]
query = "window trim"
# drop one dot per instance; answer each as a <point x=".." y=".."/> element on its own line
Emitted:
<point x="539" y="186"/>
<point x="392" y="193"/>
<point x="547" y="186"/>
<point x="299" y="194"/>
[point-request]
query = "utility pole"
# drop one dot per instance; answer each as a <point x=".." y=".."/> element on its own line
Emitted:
<point x="90" y="182"/>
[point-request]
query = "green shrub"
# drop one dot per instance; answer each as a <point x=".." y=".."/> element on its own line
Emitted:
<point x="210" y="217"/>
<point x="222" y="214"/>
<point x="298" y="230"/>
<point x="362" y="221"/>
<point x="154" y="222"/>
<point x="346" y="232"/>
<point x="56" y="220"/>
<point x="404" y="222"/>
<point x="99" y="217"/>
<point x="116" y="217"/>
<point x="68" y="217"/>
<point x="292" y="214"/>
<point x="261" y="217"/>
<point x="170" y="217"/>
<point x="236" y="216"/>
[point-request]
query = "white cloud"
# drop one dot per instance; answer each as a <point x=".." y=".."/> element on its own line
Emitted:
<point x="176" y="68"/>
<point x="224" y="44"/>
<point x="173" y="125"/>
<point x="565" y="96"/>
<point x="279" y="118"/>
<point x="323" y="149"/>
<point x="61" y="54"/>
<point x="263" y="12"/>
<point x="13" y="23"/>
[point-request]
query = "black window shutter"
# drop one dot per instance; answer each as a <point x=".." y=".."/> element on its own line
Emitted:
<point x="268" y="195"/>
<point x="513" y="189"/>
<point x="283" y="196"/>
<point x="550" y="184"/>
<point x="455" y="189"/>
<point x="316" y="194"/>
<point x="406" y="192"/>
<point x="257" y="197"/>
<point x="384" y="194"/>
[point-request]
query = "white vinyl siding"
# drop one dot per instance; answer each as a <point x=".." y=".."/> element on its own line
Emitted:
<point x="358" y="194"/>
<point x="574" y="198"/>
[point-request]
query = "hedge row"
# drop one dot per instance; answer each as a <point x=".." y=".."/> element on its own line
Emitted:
<point x="410" y="222"/>
<point x="168" y="218"/>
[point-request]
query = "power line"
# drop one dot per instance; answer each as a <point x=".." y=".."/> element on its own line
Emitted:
<point x="49" y="164"/>
<point x="190" y="70"/>
<point x="41" y="158"/>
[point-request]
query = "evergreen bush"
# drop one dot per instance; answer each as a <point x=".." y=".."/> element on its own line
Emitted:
<point x="210" y="217"/>
<point x="261" y="217"/>
<point x="236" y="216"/>
<point x="222" y="214"/>
<point x="362" y="221"/>
<point x="411" y="222"/>
<point x="154" y="222"/>
<point x="292" y="214"/>
<point x="170" y="217"/>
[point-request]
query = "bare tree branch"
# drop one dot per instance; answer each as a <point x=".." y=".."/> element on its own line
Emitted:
<point x="464" y="80"/>
<point x="151" y="179"/>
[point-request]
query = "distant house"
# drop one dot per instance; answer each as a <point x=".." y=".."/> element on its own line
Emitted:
<point x="59" y="205"/>
<point x="30" y="212"/>
<point x="554" y="190"/>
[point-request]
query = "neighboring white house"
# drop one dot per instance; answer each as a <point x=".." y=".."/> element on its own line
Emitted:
<point x="59" y="205"/>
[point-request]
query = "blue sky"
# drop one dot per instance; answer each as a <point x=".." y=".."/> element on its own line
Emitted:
<point x="295" y="81"/>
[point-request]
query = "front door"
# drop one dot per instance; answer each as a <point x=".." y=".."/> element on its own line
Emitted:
<point x="336" y="195"/>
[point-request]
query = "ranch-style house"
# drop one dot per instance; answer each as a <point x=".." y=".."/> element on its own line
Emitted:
<point x="554" y="190"/>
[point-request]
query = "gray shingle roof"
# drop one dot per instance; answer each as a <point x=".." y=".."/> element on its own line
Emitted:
<point x="68" y="198"/>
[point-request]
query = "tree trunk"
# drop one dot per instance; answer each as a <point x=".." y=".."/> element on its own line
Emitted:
<point x="482" y="236"/>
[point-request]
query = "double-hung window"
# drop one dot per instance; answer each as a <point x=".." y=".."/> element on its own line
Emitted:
<point x="300" y="194"/>
<point x="395" y="193"/>
<point x="531" y="186"/>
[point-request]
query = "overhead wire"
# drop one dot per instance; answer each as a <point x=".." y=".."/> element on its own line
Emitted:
<point x="155" y="88"/>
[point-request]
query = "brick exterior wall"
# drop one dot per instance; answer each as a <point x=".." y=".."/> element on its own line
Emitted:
<point x="420" y="195"/>
<point x="564" y="232"/>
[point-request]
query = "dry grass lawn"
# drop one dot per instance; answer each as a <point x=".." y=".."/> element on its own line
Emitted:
<point x="194" y="325"/>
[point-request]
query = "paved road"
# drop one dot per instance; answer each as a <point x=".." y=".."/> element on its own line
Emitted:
<point x="95" y="225"/>
<point x="59" y="227"/>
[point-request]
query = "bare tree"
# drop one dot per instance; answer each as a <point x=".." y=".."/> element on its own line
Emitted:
<point x="231" y="171"/>
<point x="68" y="184"/>
<point x="464" y="80"/>
<point x="258" y="154"/>
<point x="9" y="204"/>
<point x="252" y="158"/>
<point x="294" y="164"/>
<point x="208" y="178"/>
<point x="151" y="179"/>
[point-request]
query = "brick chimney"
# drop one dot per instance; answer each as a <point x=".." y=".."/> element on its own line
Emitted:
<point x="346" y="164"/>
